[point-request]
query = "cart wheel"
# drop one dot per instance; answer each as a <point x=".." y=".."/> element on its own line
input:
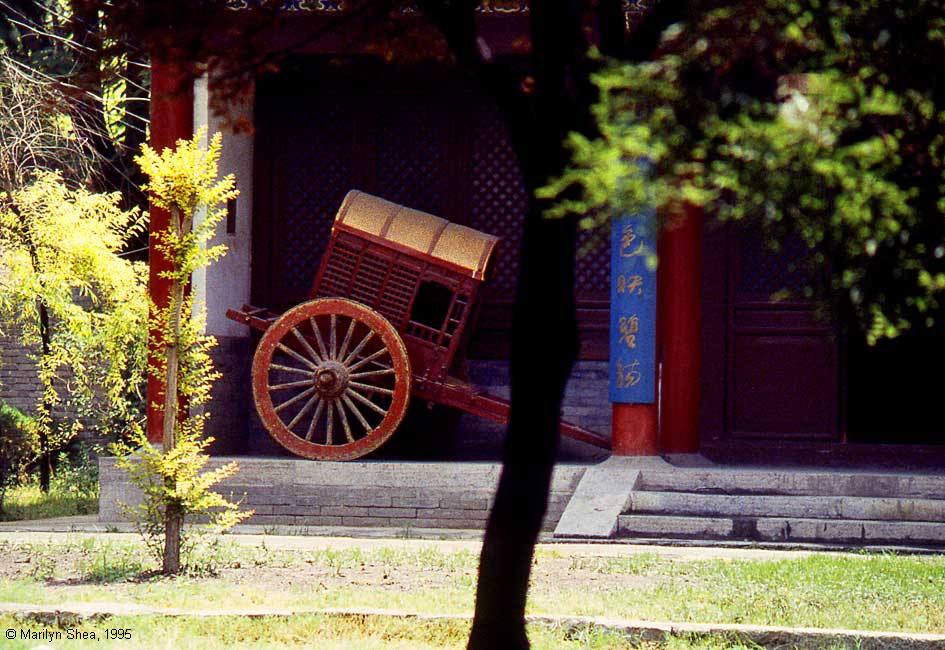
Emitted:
<point x="331" y="379"/>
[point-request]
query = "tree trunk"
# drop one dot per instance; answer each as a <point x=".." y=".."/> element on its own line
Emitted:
<point x="173" y="517"/>
<point x="172" y="530"/>
<point x="544" y="332"/>
<point x="45" y="455"/>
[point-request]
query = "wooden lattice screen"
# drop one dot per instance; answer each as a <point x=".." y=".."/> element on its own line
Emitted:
<point x="420" y="138"/>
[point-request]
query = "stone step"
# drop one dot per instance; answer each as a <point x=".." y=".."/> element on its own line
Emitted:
<point x="807" y="507"/>
<point x="790" y="482"/>
<point x="782" y="529"/>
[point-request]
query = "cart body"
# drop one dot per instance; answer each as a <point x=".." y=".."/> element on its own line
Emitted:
<point x="391" y="309"/>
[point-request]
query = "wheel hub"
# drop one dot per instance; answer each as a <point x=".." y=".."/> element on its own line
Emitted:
<point x="331" y="379"/>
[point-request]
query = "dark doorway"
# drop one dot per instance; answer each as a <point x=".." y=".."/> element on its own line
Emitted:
<point x="895" y="390"/>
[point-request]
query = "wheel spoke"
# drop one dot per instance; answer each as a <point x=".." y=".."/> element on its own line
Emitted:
<point x="371" y="389"/>
<point x="335" y="391"/>
<point x="311" y="425"/>
<point x="305" y="409"/>
<point x="332" y="333"/>
<point x="295" y="355"/>
<point x="305" y="344"/>
<point x="372" y="373"/>
<point x="354" y="409"/>
<point x="330" y="424"/>
<point x="358" y="348"/>
<point x="300" y="396"/>
<point x="364" y="400"/>
<point x="318" y="337"/>
<point x="347" y="341"/>
<point x="298" y="371"/>
<point x="291" y="384"/>
<point x="368" y="359"/>
<point x="344" y="423"/>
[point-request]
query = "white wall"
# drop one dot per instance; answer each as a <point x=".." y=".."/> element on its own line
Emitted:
<point x="226" y="283"/>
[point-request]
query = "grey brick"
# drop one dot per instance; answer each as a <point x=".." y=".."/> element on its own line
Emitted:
<point x="355" y="511"/>
<point x="472" y="515"/>
<point x="272" y="520"/>
<point x="416" y="502"/>
<point x="466" y="503"/>
<point x="365" y="521"/>
<point x="318" y="520"/>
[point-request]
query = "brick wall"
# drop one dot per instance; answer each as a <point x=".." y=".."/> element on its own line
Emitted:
<point x="19" y="383"/>
<point x="19" y="380"/>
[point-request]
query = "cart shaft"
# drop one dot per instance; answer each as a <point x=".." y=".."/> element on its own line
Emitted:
<point x="259" y="318"/>
<point x="465" y="397"/>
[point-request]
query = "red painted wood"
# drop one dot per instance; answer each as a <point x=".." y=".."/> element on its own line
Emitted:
<point x="634" y="430"/>
<point x="679" y="316"/>
<point x="172" y="118"/>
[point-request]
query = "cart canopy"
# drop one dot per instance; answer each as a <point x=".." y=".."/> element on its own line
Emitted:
<point x="464" y="247"/>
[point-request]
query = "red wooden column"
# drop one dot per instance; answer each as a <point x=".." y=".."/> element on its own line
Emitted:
<point x="679" y="316"/>
<point x="172" y="119"/>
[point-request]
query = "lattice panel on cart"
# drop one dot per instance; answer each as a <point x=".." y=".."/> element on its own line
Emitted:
<point x="498" y="200"/>
<point x="339" y="274"/>
<point x="372" y="271"/>
<point x="375" y="281"/>
<point x="763" y="272"/>
<point x="400" y="289"/>
<point x="317" y="169"/>
<point x="411" y="153"/>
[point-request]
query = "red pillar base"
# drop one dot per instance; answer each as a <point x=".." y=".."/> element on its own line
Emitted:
<point x="634" y="430"/>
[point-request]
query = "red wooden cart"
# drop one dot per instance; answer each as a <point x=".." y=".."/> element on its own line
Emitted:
<point x="389" y="313"/>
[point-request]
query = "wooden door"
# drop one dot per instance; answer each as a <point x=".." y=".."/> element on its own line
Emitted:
<point x="771" y="367"/>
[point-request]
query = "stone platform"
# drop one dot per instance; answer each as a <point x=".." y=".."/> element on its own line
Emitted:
<point x="682" y="500"/>
<point x="393" y="494"/>
<point x="691" y="500"/>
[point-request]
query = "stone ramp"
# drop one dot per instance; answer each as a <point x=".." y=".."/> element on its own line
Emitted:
<point x="831" y="507"/>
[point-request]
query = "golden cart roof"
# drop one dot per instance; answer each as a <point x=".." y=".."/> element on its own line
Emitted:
<point x="464" y="247"/>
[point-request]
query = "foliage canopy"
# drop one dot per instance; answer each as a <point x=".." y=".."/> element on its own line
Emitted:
<point x="61" y="251"/>
<point x="822" y="120"/>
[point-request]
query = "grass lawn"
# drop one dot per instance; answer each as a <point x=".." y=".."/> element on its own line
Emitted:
<point x="24" y="502"/>
<point x="329" y="633"/>
<point x="879" y="592"/>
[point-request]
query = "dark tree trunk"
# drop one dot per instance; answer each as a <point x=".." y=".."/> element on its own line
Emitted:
<point x="45" y="454"/>
<point x="173" y="521"/>
<point x="544" y="331"/>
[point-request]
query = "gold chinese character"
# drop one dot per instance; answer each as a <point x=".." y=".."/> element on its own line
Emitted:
<point x="627" y="237"/>
<point x="628" y="374"/>
<point x="628" y="327"/>
<point x="631" y="284"/>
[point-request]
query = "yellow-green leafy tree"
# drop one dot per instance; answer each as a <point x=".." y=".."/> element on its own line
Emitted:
<point x="73" y="298"/>
<point x="183" y="181"/>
